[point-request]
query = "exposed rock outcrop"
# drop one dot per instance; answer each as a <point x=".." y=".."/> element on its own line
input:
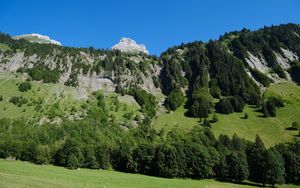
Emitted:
<point x="130" y="46"/>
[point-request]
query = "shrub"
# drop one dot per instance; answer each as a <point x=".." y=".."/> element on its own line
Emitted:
<point x="214" y="118"/>
<point x="41" y="73"/>
<point x="269" y="106"/>
<point x="1" y="98"/>
<point x="14" y="99"/>
<point x="206" y="123"/>
<point x="174" y="100"/>
<point x="295" y="125"/>
<point x="25" y="86"/>
<point x="146" y="100"/>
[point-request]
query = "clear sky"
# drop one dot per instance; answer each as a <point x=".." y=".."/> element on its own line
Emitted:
<point x="159" y="24"/>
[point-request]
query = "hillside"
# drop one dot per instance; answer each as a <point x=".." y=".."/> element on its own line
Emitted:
<point x="200" y="110"/>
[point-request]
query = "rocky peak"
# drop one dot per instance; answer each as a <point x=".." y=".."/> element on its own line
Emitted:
<point x="130" y="46"/>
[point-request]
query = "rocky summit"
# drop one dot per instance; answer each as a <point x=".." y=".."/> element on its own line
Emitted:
<point x="130" y="46"/>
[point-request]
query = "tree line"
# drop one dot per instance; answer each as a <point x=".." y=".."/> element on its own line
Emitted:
<point x="98" y="142"/>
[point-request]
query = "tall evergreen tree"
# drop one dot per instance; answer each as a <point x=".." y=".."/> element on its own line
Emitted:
<point x="237" y="166"/>
<point x="273" y="169"/>
<point x="255" y="157"/>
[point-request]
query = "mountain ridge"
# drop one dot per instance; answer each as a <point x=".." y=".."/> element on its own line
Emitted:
<point x="34" y="37"/>
<point x="240" y="63"/>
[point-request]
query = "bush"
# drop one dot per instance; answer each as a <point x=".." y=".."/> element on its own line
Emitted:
<point x="1" y="98"/>
<point x="42" y="154"/>
<point x="206" y="123"/>
<point x="14" y="99"/>
<point x="146" y="100"/>
<point x="42" y="73"/>
<point x="269" y="106"/>
<point x="295" y="125"/>
<point x="214" y="119"/>
<point x="174" y="100"/>
<point x="25" y="86"/>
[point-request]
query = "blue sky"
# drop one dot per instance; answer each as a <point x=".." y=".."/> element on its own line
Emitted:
<point x="159" y="24"/>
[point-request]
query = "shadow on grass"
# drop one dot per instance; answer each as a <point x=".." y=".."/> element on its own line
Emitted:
<point x="291" y="129"/>
<point x="240" y="183"/>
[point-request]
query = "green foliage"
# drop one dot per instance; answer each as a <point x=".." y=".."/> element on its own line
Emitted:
<point x="24" y="86"/>
<point x="295" y="125"/>
<point x="266" y="41"/>
<point x="214" y="89"/>
<point x="43" y="155"/>
<point x="260" y="77"/>
<point x="255" y="156"/>
<point x="269" y="107"/>
<point x="146" y="100"/>
<point x="237" y="166"/>
<point x="174" y="100"/>
<point x="200" y="104"/>
<point x="224" y="106"/>
<point x="1" y="98"/>
<point x="99" y="143"/>
<point x="171" y="78"/>
<point x="72" y="80"/>
<point x="237" y="103"/>
<point x="206" y="123"/>
<point x="295" y="71"/>
<point x="19" y="101"/>
<point x="45" y="74"/>
<point x="273" y="168"/>
<point x="70" y="155"/>
<point x="214" y="118"/>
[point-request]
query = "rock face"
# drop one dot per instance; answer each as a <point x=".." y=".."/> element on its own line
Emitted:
<point x="34" y="37"/>
<point x="130" y="46"/>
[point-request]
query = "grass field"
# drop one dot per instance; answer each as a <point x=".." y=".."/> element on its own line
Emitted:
<point x="19" y="174"/>
<point x="272" y="129"/>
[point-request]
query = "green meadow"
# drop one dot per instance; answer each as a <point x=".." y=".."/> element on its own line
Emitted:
<point x="20" y="174"/>
<point x="272" y="130"/>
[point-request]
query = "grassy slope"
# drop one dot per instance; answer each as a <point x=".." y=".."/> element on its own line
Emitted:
<point x="50" y="94"/>
<point x="24" y="174"/>
<point x="272" y="130"/>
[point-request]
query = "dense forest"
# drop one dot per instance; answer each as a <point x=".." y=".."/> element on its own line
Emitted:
<point x="218" y="69"/>
<point x="98" y="142"/>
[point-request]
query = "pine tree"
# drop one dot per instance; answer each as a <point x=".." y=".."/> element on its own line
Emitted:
<point x="256" y="160"/>
<point x="237" y="166"/>
<point x="273" y="169"/>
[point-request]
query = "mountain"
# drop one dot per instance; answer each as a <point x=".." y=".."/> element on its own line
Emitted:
<point x="218" y="109"/>
<point x="130" y="46"/>
<point x="42" y="39"/>
<point x="240" y="64"/>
